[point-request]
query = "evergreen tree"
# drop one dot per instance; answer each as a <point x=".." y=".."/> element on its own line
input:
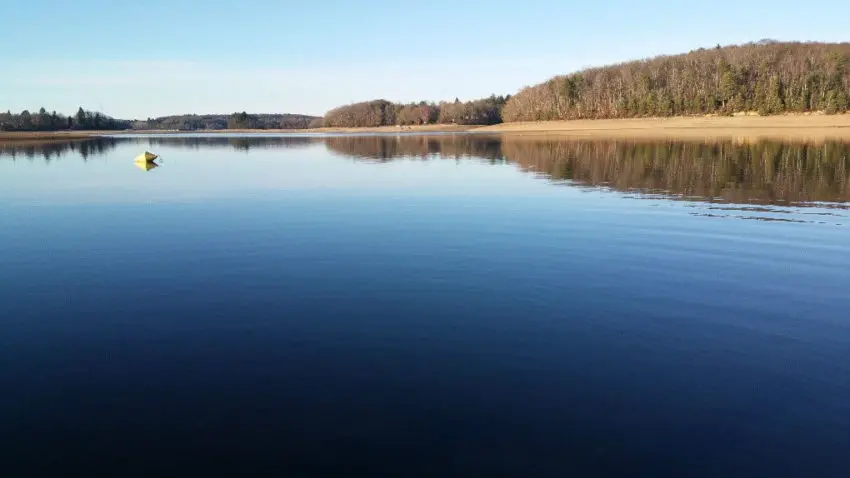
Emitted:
<point x="25" y="121"/>
<point x="81" y="118"/>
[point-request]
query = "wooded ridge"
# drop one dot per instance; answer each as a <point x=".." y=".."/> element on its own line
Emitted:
<point x="766" y="77"/>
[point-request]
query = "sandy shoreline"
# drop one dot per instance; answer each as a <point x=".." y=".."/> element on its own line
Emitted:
<point x="812" y="127"/>
<point x="788" y="127"/>
<point x="804" y="127"/>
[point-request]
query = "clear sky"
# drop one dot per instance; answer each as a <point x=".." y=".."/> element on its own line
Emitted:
<point x="134" y="59"/>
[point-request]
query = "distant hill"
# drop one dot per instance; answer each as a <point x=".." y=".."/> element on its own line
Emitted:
<point x="223" y="121"/>
<point x="768" y="77"/>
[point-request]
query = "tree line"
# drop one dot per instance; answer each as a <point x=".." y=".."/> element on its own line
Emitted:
<point x="375" y="113"/>
<point x="242" y="120"/>
<point x="766" y="77"/>
<point x="52" y="121"/>
<point x="93" y="120"/>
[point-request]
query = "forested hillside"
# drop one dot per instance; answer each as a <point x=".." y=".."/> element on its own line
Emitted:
<point x="384" y="113"/>
<point x="767" y="77"/>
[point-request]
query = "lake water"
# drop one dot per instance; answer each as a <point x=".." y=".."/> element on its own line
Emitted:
<point x="451" y="305"/>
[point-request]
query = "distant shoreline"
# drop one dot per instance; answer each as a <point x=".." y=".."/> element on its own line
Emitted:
<point x="790" y="127"/>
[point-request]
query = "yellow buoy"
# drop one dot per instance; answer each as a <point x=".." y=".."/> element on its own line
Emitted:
<point x="146" y="157"/>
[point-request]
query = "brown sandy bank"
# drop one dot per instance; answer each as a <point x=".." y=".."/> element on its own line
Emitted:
<point x="795" y="127"/>
<point x="803" y="127"/>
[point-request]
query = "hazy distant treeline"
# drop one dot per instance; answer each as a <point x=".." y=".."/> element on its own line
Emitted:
<point x="241" y="120"/>
<point x="384" y="113"/>
<point x="767" y="77"/>
<point x="52" y="121"/>
<point x="91" y="120"/>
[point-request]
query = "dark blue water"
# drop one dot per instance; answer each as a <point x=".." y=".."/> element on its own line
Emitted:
<point x="410" y="306"/>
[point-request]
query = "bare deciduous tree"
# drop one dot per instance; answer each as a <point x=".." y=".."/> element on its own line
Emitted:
<point x="766" y="77"/>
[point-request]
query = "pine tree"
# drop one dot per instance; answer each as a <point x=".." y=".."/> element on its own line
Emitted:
<point x="81" y="118"/>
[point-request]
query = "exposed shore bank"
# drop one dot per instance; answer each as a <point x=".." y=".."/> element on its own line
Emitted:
<point x="793" y="127"/>
<point x="800" y="127"/>
<point x="804" y="127"/>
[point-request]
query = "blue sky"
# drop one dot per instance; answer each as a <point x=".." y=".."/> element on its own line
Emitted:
<point x="137" y="59"/>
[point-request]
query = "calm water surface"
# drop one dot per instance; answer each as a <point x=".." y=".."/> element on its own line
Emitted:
<point x="424" y="306"/>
